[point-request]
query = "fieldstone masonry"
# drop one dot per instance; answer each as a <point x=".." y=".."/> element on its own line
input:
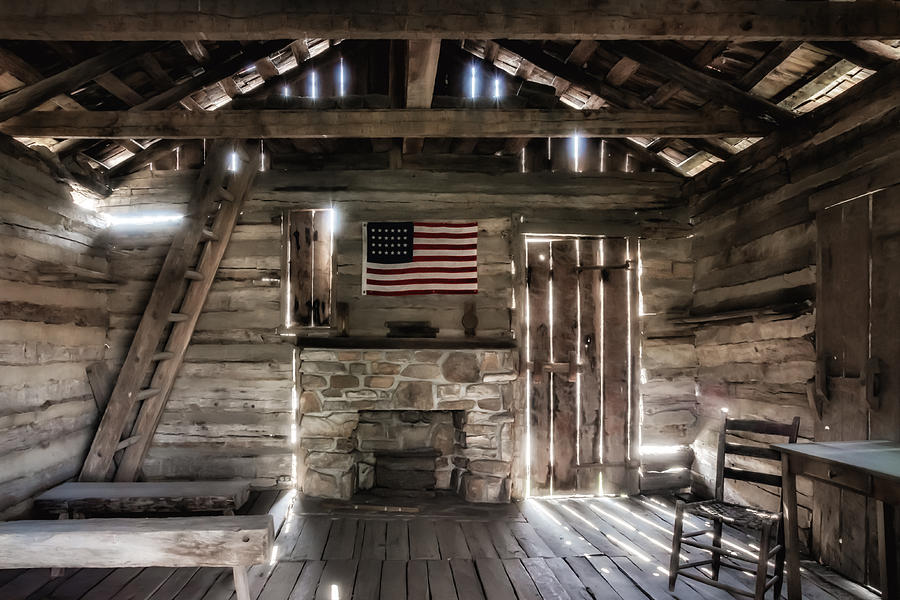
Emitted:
<point x="337" y="386"/>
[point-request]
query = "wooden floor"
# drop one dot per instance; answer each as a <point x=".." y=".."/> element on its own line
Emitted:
<point x="584" y="548"/>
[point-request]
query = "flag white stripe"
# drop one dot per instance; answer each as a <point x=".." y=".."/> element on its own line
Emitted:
<point x="401" y="276"/>
<point x="422" y="286"/>
<point x="471" y="252"/>
<point x="425" y="229"/>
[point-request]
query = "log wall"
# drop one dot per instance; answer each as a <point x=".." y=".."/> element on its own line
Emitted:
<point x="219" y="424"/>
<point x="754" y="299"/>
<point x="668" y="363"/>
<point x="53" y="321"/>
<point x="229" y="413"/>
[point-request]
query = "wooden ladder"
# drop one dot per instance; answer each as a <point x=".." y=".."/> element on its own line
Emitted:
<point x="154" y="355"/>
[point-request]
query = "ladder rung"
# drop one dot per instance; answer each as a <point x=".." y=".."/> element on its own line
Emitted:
<point x="146" y="393"/>
<point x="128" y="442"/>
<point x="208" y="234"/>
<point x="163" y="356"/>
<point x="178" y="317"/>
<point x="226" y="195"/>
<point x="195" y="275"/>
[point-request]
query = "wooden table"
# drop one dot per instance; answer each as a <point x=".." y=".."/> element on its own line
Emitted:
<point x="144" y="497"/>
<point x="871" y="468"/>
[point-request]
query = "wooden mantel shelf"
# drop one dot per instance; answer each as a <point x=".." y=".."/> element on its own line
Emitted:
<point x="381" y="343"/>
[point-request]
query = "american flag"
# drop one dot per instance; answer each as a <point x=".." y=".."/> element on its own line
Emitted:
<point x="408" y="258"/>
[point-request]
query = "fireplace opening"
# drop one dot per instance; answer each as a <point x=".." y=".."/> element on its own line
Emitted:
<point x="410" y="453"/>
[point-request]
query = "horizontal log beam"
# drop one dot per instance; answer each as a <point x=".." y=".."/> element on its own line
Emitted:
<point x="529" y="19"/>
<point x="381" y="123"/>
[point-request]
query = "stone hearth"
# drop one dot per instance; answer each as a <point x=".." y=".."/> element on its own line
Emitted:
<point x="354" y="403"/>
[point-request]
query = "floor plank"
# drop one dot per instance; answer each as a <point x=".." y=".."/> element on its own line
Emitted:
<point x="504" y="541"/>
<point x="282" y="581"/>
<point x="521" y="580"/>
<point x="337" y="580"/>
<point x="308" y="582"/>
<point x="174" y="584"/>
<point x="440" y="580"/>
<point x="393" y="579"/>
<point x="423" y="542"/>
<point x="440" y="550"/>
<point x="530" y="541"/>
<point x="494" y="580"/>
<point x="145" y="584"/>
<point x="312" y="539"/>
<point x="569" y="580"/>
<point x="341" y="540"/>
<point x="416" y="580"/>
<point x="397" y="540"/>
<point x="451" y="540"/>
<point x="478" y="538"/>
<point x="468" y="587"/>
<point x="544" y="580"/>
<point x="368" y="580"/>
<point x="374" y="539"/>
<point x="25" y="584"/>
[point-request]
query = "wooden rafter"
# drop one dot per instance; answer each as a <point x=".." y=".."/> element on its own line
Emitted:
<point x="564" y="19"/>
<point x="32" y="96"/>
<point x="382" y="123"/>
<point x="161" y="148"/>
<point x="863" y="102"/>
<point x="700" y="83"/>
<point x="217" y="195"/>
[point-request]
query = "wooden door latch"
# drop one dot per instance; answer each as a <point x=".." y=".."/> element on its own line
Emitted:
<point x="869" y="379"/>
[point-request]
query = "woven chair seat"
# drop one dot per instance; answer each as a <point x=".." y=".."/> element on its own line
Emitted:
<point x="733" y="514"/>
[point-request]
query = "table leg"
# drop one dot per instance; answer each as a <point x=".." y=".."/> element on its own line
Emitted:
<point x="887" y="551"/>
<point x="791" y="538"/>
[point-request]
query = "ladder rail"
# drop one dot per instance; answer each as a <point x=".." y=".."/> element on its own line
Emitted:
<point x="151" y="328"/>
<point x="180" y="336"/>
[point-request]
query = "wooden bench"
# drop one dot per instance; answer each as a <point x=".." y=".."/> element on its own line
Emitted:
<point x="236" y="542"/>
<point x="77" y="497"/>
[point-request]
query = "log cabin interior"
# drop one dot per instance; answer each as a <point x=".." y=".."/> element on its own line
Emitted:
<point x="539" y="300"/>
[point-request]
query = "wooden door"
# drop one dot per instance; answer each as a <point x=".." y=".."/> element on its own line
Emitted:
<point x="581" y="308"/>
<point x="857" y="324"/>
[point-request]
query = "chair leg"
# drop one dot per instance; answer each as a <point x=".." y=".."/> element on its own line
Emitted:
<point x="779" y="561"/>
<point x="717" y="542"/>
<point x="762" y="565"/>
<point x="674" y="560"/>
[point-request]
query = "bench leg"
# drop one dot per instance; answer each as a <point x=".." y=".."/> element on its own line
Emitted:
<point x="59" y="571"/>
<point x="241" y="583"/>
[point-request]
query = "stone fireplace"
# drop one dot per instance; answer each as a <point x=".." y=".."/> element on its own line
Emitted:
<point x="378" y="419"/>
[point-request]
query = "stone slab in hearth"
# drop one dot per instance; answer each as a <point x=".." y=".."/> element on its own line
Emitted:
<point x="336" y="385"/>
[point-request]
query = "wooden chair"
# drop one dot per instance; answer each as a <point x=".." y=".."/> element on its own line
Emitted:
<point x="720" y="512"/>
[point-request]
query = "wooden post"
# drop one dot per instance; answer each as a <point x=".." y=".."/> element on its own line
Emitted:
<point x="792" y="541"/>
<point x="887" y="550"/>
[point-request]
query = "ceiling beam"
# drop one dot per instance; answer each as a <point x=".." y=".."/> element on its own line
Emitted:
<point x="421" y="69"/>
<point x="700" y="83"/>
<point x="738" y="20"/>
<point x="381" y="123"/>
<point x="32" y="96"/>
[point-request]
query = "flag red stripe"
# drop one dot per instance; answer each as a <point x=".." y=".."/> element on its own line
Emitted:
<point x="445" y="246"/>
<point x="375" y="271"/>
<point x="446" y="236"/>
<point x="422" y="224"/>
<point x="447" y="258"/>
<point x="419" y="292"/>
<point x="415" y="281"/>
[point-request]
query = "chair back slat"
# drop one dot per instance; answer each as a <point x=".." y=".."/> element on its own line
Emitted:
<point x="785" y="430"/>
<point x="752" y="451"/>
<point x="752" y="476"/>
